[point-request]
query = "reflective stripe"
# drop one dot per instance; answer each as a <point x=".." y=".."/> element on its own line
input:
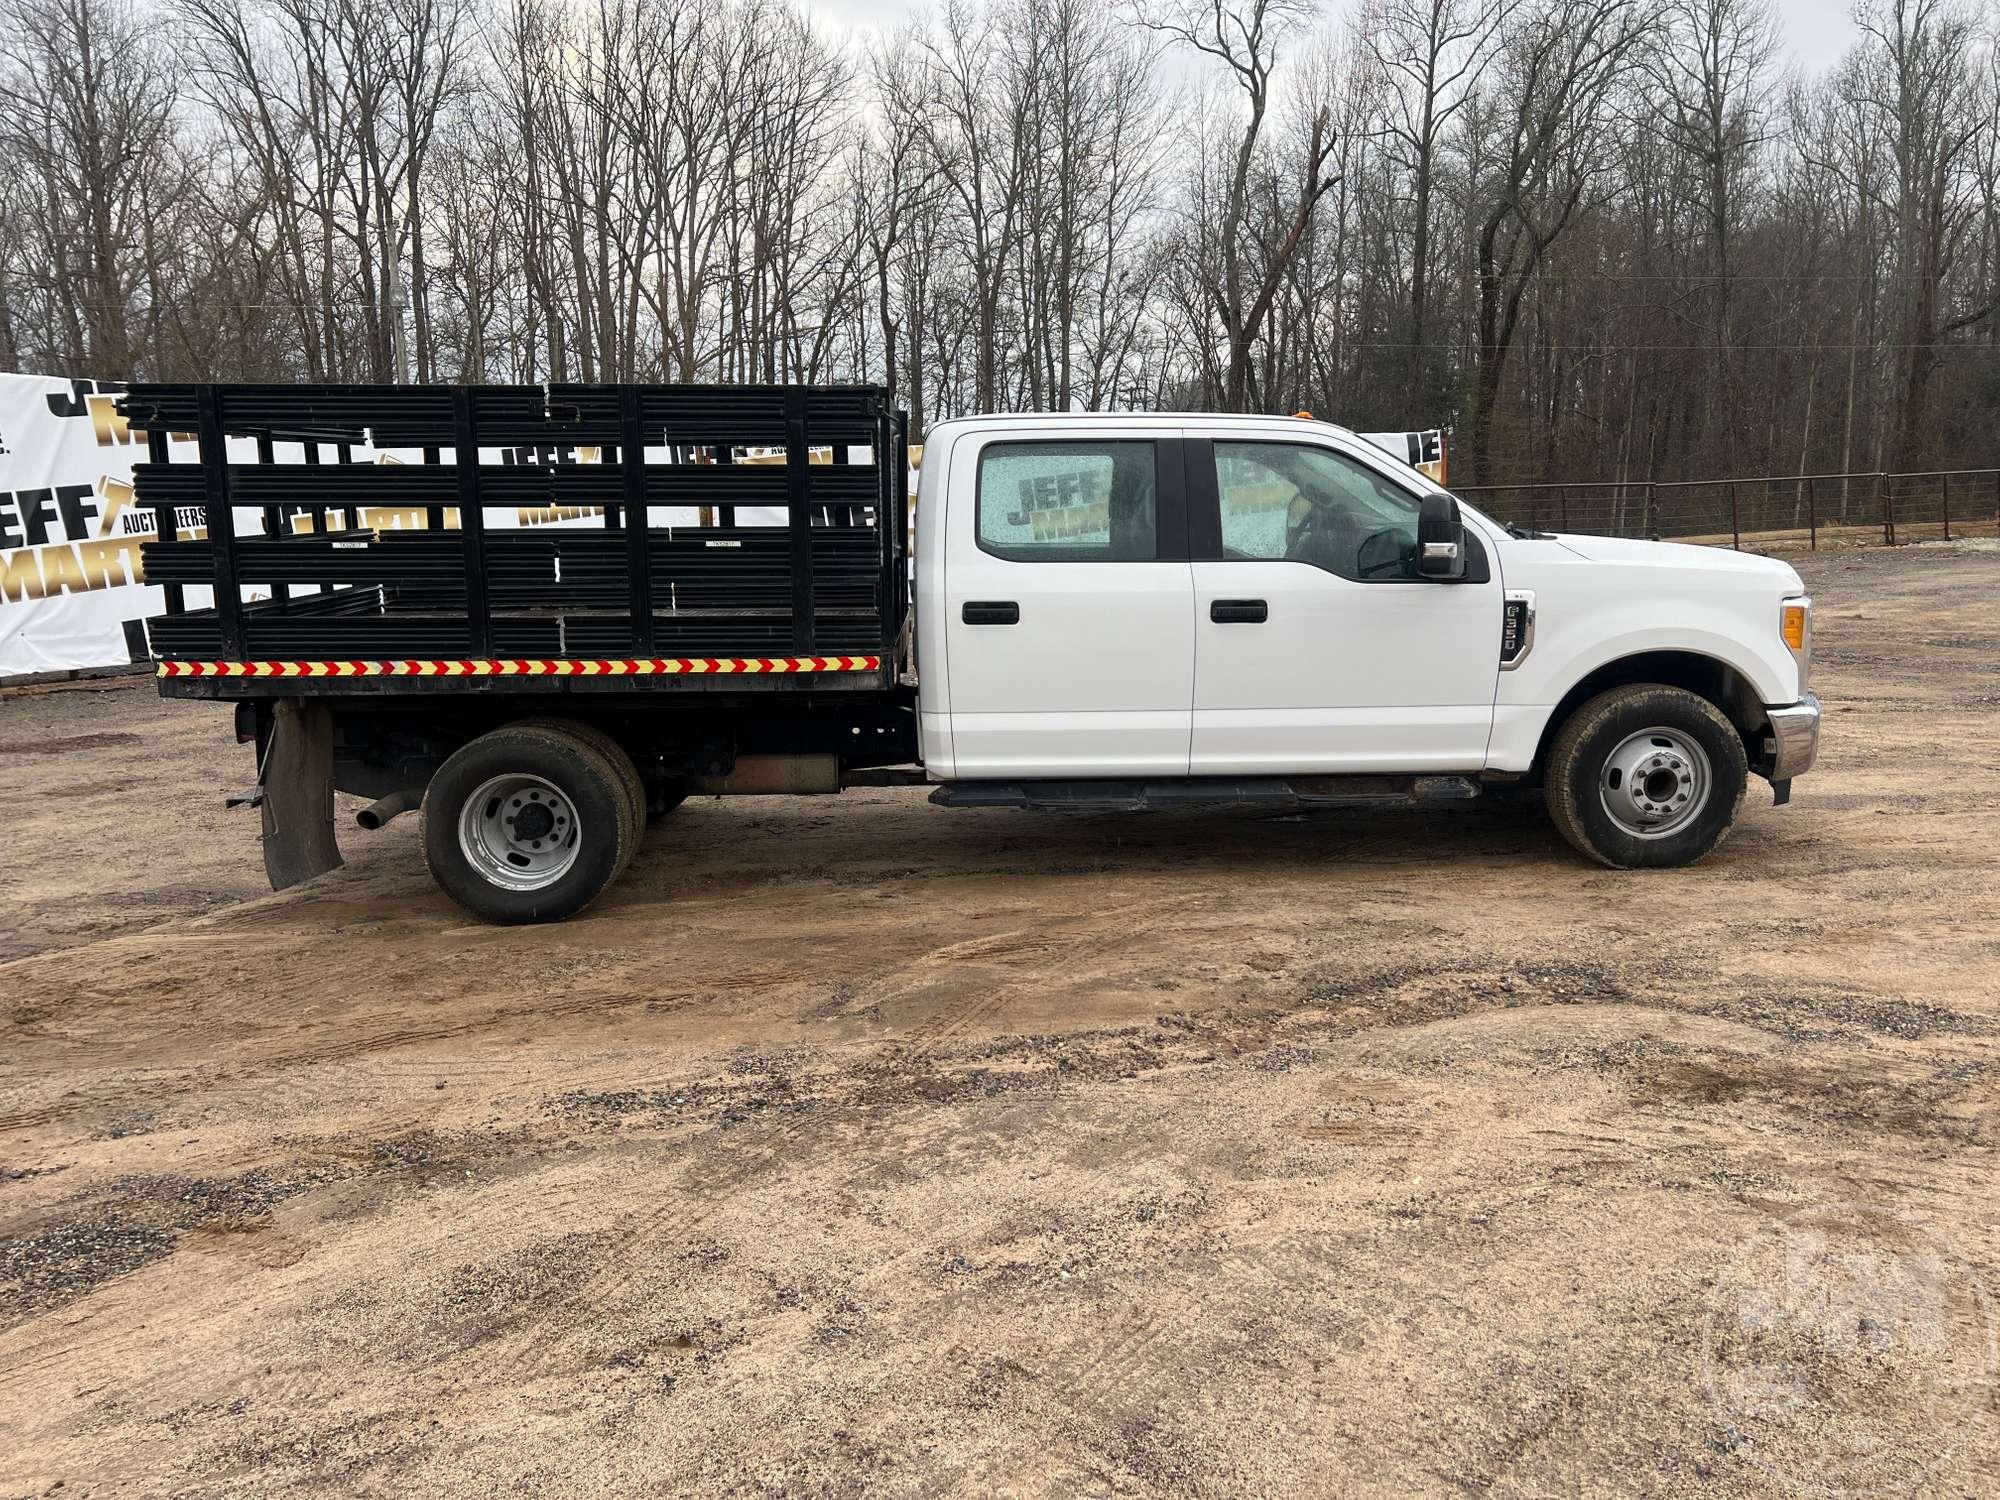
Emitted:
<point x="653" y="667"/>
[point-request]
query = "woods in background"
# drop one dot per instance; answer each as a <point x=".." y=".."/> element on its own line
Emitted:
<point x="1599" y="239"/>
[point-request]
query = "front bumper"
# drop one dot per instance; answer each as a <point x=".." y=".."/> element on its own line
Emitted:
<point x="1794" y="741"/>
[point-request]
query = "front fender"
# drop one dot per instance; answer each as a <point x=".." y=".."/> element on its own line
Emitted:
<point x="1571" y="646"/>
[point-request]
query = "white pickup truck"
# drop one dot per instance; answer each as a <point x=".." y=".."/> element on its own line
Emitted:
<point x="1109" y="612"/>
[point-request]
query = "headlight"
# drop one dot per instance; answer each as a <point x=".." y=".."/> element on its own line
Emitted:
<point x="1795" y="625"/>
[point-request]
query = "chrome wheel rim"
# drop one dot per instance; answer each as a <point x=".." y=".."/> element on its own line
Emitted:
<point x="519" y="832"/>
<point x="1655" y="783"/>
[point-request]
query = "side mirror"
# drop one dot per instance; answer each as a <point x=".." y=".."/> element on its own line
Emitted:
<point x="1440" y="539"/>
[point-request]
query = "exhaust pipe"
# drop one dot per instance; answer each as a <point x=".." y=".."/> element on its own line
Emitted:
<point x="377" y="814"/>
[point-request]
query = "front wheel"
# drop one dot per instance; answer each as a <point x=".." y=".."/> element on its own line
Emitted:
<point x="527" y="824"/>
<point x="1646" y="776"/>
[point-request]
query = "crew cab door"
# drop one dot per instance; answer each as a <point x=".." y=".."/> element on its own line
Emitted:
<point x="1069" y="602"/>
<point x="1319" y="646"/>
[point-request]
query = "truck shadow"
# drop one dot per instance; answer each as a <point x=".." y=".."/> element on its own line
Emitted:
<point x="900" y="835"/>
<point x="886" y="843"/>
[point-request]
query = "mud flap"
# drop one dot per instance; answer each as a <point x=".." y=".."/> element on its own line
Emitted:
<point x="298" y="795"/>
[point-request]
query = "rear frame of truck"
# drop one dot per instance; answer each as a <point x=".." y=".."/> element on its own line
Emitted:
<point x="373" y="625"/>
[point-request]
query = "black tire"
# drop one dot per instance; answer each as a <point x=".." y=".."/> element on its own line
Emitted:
<point x="665" y="800"/>
<point x="589" y="787"/>
<point x="1577" y="780"/>
<point x="612" y="751"/>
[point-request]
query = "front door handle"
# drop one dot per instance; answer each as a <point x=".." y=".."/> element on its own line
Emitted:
<point x="1239" y="611"/>
<point x="991" y="612"/>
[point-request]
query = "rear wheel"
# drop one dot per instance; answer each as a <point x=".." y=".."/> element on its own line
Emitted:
<point x="527" y="824"/>
<point x="1646" y="776"/>
<point x="612" y="751"/>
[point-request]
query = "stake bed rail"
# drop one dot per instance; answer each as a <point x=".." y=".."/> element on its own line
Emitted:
<point x="390" y="577"/>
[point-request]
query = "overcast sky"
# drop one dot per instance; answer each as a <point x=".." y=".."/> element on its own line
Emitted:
<point x="1817" y="31"/>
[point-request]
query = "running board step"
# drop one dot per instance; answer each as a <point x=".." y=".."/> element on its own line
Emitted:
<point x="1269" y="793"/>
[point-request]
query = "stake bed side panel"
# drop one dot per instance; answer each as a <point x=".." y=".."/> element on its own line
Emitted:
<point x="395" y="577"/>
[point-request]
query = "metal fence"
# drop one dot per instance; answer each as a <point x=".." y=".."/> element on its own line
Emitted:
<point x="1844" y="507"/>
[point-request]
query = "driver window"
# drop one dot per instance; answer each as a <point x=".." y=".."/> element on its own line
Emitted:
<point x="1304" y="504"/>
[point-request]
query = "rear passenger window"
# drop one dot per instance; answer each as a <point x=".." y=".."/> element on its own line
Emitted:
<point x="1069" y="502"/>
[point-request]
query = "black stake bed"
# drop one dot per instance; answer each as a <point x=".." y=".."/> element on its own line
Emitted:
<point x="440" y="565"/>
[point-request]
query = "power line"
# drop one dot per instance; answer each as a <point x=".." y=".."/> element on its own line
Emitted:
<point x="1733" y="278"/>
<point x="1469" y="345"/>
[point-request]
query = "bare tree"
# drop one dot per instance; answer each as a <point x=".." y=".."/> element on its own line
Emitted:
<point x="1713" y="61"/>
<point x="895" y="175"/>
<point x="1245" y="37"/>
<point x="983" y="69"/>
<point x="13" y="264"/>
<point x="1583" y="233"/>
<point x="1560" y="62"/>
<point x="86" y="115"/>
<point x="1924" y="79"/>
<point x="1429" y="52"/>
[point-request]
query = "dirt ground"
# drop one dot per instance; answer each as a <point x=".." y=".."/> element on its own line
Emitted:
<point x="856" y="1146"/>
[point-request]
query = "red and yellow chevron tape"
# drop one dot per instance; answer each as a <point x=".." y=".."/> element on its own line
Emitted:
<point x="670" y="666"/>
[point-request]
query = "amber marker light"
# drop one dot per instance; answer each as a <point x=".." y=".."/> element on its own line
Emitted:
<point x="1793" y="624"/>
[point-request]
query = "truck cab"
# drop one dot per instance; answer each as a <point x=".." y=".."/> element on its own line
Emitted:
<point x="1155" y="598"/>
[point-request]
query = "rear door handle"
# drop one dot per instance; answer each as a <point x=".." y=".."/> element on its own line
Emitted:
<point x="1239" y="611"/>
<point x="991" y="612"/>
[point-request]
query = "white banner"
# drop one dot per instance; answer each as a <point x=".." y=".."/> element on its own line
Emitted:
<point x="70" y="571"/>
<point x="69" y="538"/>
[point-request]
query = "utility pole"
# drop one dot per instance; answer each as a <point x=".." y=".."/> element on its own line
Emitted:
<point x="392" y="313"/>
